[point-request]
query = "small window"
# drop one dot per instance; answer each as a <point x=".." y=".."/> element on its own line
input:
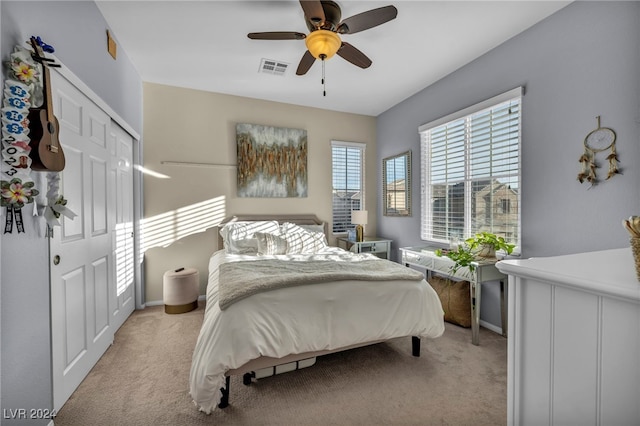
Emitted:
<point x="470" y="169"/>
<point x="505" y="205"/>
<point x="348" y="182"/>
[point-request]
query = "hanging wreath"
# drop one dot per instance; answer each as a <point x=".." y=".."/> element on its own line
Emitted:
<point x="598" y="140"/>
<point x="57" y="204"/>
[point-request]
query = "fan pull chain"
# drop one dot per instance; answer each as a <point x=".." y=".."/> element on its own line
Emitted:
<point x="324" y="89"/>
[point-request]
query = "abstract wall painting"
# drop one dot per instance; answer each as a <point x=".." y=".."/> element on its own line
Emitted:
<point x="272" y="161"/>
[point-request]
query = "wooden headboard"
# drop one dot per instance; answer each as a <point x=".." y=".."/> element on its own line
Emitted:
<point x="299" y="219"/>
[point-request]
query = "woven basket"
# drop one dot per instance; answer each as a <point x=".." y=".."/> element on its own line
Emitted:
<point x="635" y="249"/>
<point x="454" y="296"/>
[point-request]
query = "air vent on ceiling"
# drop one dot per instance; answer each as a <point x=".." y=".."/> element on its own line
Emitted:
<point x="270" y="66"/>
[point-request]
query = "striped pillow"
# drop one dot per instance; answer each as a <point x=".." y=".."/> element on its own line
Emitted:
<point x="270" y="244"/>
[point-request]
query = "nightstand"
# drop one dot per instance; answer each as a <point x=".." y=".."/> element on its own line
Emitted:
<point x="374" y="245"/>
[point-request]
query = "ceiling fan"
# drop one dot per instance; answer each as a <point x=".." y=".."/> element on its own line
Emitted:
<point x="323" y="41"/>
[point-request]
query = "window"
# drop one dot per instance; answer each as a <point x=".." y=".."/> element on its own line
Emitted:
<point x="348" y="182"/>
<point x="505" y="203"/>
<point x="470" y="167"/>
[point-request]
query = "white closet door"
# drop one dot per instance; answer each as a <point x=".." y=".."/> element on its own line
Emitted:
<point x="83" y="260"/>
<point x="122" y="294"/>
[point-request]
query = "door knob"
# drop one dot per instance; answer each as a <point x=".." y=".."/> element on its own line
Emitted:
<point x="56" y="259"/>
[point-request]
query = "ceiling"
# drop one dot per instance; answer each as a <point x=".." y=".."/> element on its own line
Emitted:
<point x="204" y="45"/>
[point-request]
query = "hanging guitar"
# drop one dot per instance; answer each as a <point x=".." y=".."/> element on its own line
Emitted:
<point x="46" y="152"/>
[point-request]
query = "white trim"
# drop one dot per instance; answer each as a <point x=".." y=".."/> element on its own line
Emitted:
<point x="491" y="327"/>
<point x="360" y="145"/>
<point x="138" y="213"/>
<point x="503" y="97"/>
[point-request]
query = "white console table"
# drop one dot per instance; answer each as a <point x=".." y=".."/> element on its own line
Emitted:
<point x="574" y="343"/>
<point x="483" y="271"/>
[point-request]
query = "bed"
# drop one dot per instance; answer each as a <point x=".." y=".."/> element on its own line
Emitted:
<point x="278" y="294"/>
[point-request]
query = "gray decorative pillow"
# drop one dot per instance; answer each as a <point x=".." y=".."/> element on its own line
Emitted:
<point x="270" y="244"/>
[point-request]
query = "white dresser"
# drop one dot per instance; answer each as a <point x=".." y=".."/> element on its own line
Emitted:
<point x="574" y="340"/>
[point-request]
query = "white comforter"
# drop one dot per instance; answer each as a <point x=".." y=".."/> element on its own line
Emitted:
<point x="303" y="319"/>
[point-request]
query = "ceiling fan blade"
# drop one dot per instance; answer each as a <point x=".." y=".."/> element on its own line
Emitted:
<point x="354" y="56"/>
<point x="277" y="35"/>
<point x="305" y="63"/>
<point x="369" y="19"/>
<point x="313" y="11"/>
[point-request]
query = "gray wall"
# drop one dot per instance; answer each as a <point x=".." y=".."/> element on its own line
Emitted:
<point x="78" y="32"/>
<point x="579" y="63"/>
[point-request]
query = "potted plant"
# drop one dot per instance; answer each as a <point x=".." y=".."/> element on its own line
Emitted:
<point x="482" y="245"/>
<point x="486" y="244"/>
<point x="461" y="257"/>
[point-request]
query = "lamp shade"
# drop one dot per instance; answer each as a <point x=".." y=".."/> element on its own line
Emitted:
<point x="359" y="217"/>
<point x="323" y="44"/>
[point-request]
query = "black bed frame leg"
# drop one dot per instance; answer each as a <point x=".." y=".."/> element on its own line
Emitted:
<point x="415" y="346"/>
<point x="224" y="399"/>
<point x="246" y="378"/>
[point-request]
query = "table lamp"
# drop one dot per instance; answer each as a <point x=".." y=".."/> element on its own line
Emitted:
<point x="359" y="218"/>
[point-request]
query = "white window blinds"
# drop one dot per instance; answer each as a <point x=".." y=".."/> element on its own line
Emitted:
<point x="348" y="182"/>
<point x="470" y="167"/>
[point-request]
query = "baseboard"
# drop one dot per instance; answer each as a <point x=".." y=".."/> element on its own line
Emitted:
<point x="491" y="327"/>
<point x="161" y="302"/>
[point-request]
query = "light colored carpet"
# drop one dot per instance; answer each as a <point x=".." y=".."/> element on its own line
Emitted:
<point x="143" y="380"/>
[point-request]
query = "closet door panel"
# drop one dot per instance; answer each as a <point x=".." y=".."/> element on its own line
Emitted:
<point x="81" y="329"/>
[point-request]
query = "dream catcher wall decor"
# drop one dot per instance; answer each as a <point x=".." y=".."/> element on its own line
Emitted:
<point x="598" y="140"/>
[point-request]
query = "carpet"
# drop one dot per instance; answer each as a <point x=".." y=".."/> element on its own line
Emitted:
<point x="142" y="379"/>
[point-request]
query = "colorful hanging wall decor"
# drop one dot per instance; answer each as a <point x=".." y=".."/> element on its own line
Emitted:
<point x="23" y="93"/>
<point x="16" y="184"/>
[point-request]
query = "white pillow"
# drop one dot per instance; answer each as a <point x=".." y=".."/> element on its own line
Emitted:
<point x="313" y="228"/>
<point x="295" y="243"/>
<point x="270" y="244"/>
<point x="239" y="237"/>
<point x="319" y="241"/>
<point x="299" y="240"/>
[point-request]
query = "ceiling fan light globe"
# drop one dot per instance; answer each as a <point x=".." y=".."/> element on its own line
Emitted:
<point x="323" y="44"/>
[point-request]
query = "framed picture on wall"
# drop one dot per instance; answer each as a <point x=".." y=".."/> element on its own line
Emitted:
<point x="272" y="161"/>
